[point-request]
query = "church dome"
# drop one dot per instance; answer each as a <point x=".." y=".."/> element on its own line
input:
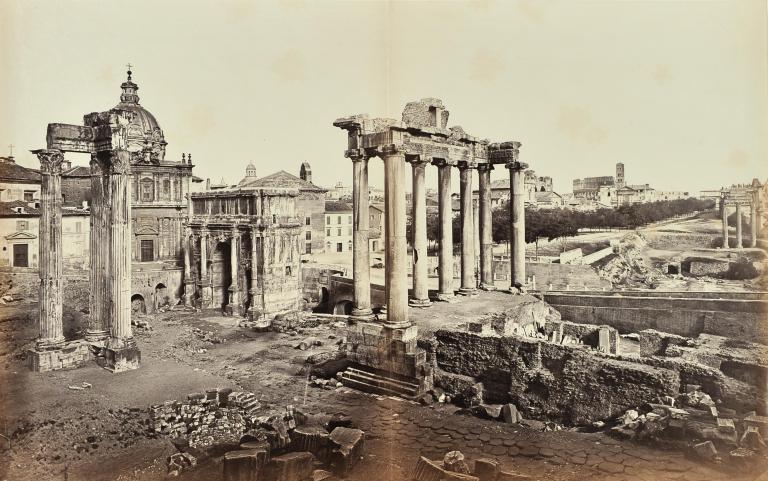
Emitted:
<point x="144" y="135"/>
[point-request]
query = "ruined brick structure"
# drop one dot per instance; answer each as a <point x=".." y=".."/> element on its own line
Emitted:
<point x="244" y="252"/>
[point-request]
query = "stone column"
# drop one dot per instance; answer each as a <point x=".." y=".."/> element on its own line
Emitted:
<point x="468" y="285"/>
<point x="486" y="227"/>
<point x="98" y="317"/>
<point x="361" y="258"/>
<point x="205" y="282"/>
<point x="234" y="292"/>
<point x="396" y="263"/>
<point x="189" y="284"/>
<point x="51" y="331"/>
<point x="739" y="244"/>
<point x="420" y="297"/>
<point x="725" y="222"/>
<point x="517" y="215"/>
<point x="122" y="353"/>
<point x="253" y="310"/>
<point x="753" y="221"/>
<point x="445" y="219"/>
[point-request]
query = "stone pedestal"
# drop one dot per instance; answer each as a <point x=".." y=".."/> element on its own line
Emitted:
<point x="118" y="359"/>
<point x="67" y="355"/>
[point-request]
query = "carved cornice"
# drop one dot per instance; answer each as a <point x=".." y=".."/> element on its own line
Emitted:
<point x="50" y="161"/>
<point x="504" y="152"/>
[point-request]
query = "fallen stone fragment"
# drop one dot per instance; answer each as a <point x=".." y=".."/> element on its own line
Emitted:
<point x="629" y="417"/>
<point x="322" y="475"/>
<point x="261" y="449"/>
<point x="312" y="439"/>
<point x="488" y="411"/>
<point x="241" y="465"/>
<point x="454" y="461"/>
<point x="340" y="420"/>
<point x="511" y="414"/>
<point x="427" y="470"/>
<point x="726" y="425"/>
<point x="291" y="467"/>
<point x="512" y="476"/>
<point x="486" y="469"/>
<point x="705" y="450"/>
<point x="347" y="447"/>
<point x="752" y="439"/>
<point x="277" y="433"/>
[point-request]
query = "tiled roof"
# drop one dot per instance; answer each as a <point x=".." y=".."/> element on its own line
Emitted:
<point x="8" y="209"/>
<point x="331" y="206"/>
<point x="13" y="172"/>
<point x="281" y="178"/>
<point x="78" y="171"/>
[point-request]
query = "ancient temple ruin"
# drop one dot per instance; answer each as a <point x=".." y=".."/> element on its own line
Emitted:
<point x="738" y="197"/>
<point x="421" y="138"/>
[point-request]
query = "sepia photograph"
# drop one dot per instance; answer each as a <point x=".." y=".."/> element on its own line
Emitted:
<point x="384" y="240"/>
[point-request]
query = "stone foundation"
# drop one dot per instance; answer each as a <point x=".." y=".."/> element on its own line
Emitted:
<point x="122" y="359"/>
<point x="67" y="356"/>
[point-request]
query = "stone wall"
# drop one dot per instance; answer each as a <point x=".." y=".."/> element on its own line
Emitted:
<point x="148" y="280"/>
<point x="24" y="283"/>
<point x="596" y="256"/>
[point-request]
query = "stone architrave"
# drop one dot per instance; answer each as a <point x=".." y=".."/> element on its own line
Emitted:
<point x="396" y="262"/>
<point x="468" y="284"/>
<point x="98" y="317"/>
<point x="361" y="259"/>
<point x="51" y="331"/>
<point x="445" y="219"/>
<point x="420" y="297"/>
<point x="121" y="352"/>
<point x="486" y="227"/>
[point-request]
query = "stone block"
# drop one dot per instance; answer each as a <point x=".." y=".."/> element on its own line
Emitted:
<point x="510" y="414"/>
<point x="68" y="355"/>
<point x="242" y="465"/>
<point x="122" y="359"/>
<point x="486" y="469"/>
<point x="277" y="434"/>
<point x="752" y="439"/>
<point x="726" y="425"/>
<point x="311" y="439"/>
<point x="705" y="450"/>
<point x="262" y="450"/>
<point x="453" y="461"/>
<point x="511" y="476"/>
<point x="427" y="470"/>
<point x="291" y="467"/>
<point x="347" y="447"/>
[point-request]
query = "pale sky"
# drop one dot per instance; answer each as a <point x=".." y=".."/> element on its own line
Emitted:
<point x="677" y="90"/>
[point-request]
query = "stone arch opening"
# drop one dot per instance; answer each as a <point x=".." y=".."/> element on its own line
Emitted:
<point x="138" y="306"/>
<point x="323" y="295"/>
<point x="161" y="295"/>
<point x="343" y="308"/>
<point x="673" y="269"/>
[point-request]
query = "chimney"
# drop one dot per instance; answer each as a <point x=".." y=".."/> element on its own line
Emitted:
<point x="66" y="165"/>
<point x="208" y="184"/>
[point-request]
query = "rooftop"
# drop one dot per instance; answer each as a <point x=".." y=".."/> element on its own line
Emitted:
<point x="331" y="206"/>
<point x="281" y="178"/>
<point x="13" y="172"/>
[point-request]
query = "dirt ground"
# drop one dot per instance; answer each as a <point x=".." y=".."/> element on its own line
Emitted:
<point x="102" y="432"/>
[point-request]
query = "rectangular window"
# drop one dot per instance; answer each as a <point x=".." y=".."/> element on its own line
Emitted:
<point x="338" y="219"/>
<point x="328" y="232"/>
<point x="308" y="248"/>
<point x="308" y="235"/>
<point x="21" y="255"/>
<point x="22" y="224"/>
<point x="349" y="219"/>
<point x="338" y="232"/>
<point x="307" y="221"/>
<point x="339" y="247"/>
<point x="147" y="250"/>
<point x="29" y="195"/>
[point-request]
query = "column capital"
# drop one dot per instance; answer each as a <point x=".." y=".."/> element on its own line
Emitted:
<point x="390" y="149"/>
<point x="356" y="155"/>
<point x="466" y="164"/>
<point x="436" y="161"/>
<point x="119" y="162"/>
<point x="50" y="160"/>
<point x="516" y="166"/>
<point x="235" y="232"/>
<point x="484" y="167"/>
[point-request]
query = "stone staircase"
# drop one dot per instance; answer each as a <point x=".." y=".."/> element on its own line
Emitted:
<point x="367" y="380"/>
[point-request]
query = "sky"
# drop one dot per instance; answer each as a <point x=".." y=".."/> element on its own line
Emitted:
<point x="676" y="90"/>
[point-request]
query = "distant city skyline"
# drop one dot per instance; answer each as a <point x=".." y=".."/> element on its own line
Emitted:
<point x="677" y="91"/>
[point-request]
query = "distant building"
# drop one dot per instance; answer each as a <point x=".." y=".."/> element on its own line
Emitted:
<point x="18" y="182"/>
<point x="338" y="226"/>
<point x="589" y="187"/>
<point x="533" y="184"/>
<point x="548" y="200"/>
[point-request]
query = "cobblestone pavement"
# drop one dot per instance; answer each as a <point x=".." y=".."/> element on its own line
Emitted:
<point x="399" y="431"/>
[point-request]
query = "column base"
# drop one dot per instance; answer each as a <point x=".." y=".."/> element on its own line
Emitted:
<point x="446" y="297"/>
<point x="119" y="359"/>
<point x="467" y="291"/>
<point x="487" y="287"/>
<point x="66" y="355"/>
<point x="365" y="314"/>
<point x="189" y="294"/>
<point x="419" y="302"/>
<point x="98" y="338"/>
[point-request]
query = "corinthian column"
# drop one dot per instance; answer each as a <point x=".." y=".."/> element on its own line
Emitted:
<point x="420" y="296"/>
<point x="361" y="263"/>
<point x="189" y="285"/>
<point x="486" y="227"/>
<point x="51" y="332"/>
<point x="234" y="292"/>
<point x="205" y="282"/>
<point x="739" y="244"/>
<point x="98" y="318"/>
<point x="253" y="309"/>
<point x="445" y="218"/>
<point x="397" y="248"/>
<point x="468" y="285"/>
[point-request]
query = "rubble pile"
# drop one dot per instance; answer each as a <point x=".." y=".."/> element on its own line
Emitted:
<point x="628" y="267"/>
<point x="453" y="467"/>
<point x="694" y="421"/>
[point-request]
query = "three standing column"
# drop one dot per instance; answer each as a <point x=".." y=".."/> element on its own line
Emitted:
<point x="445" y="222"/>
<point x="361" y="259"/>
<point x="468" y="285"/>
<point x="51" y="331"/>
<point x="486" y="227"/>
<point x="420" y="297"/>
<point x="397" y="247"/>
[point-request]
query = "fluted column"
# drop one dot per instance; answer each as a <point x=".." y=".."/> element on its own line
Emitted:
<point x="739" y="244"/>
<point x="254" y="310"/>
<point x="517" y="216"/>
<point x="468" y="285"/>
<point x="753" y="222"/>
<point x="724" y="212"/>
<point x="420" y="297"/>
<point x="189" y="285"/>
<point x="396" y="265"/>
<point x="98" y="317"/>
<point x="120" y="252"/>
<point x="486" y="227"/>
<point x="445" y="222"/>
<point x="234" y="291"/>
<point x="205" y="282"/>
<point x="50" y="328"/>
<point x="361" y="258"/>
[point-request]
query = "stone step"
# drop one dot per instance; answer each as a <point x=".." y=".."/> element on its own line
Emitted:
<point x="377" y="384"/>
<point x="389" y="379"/>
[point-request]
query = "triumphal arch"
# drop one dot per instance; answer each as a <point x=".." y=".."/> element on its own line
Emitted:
<point x="421" y="138"/>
